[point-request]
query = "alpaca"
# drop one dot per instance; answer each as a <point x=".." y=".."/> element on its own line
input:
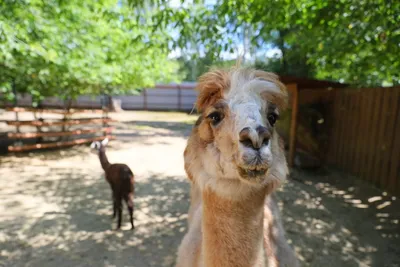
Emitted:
<point x="121" y="180"/>
<point x="235" y="160"/>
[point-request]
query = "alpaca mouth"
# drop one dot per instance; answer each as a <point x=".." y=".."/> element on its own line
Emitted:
<point x="252" y="172"/>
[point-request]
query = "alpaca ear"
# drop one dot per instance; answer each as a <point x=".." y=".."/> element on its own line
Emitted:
<point x="279" y="94"/>
<point x="104" y="142"/>
<point x="280" y="99"/>
<point x="211" y="87"/>
<point x="94" y="145"/>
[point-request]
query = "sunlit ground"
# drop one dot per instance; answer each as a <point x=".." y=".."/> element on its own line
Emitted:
<point x="56" y="206"/>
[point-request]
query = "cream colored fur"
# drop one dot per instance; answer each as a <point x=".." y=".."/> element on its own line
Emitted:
<point x="233" y="218"/>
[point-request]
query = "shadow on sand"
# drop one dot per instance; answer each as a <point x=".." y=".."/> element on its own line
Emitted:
<point x="336" y="220"/>
<point x="79" y="230"/>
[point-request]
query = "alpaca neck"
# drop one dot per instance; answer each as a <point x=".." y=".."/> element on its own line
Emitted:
<point x="233" y="230"/>
<point x="104" y="160"/>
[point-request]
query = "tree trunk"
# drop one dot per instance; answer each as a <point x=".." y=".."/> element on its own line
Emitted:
<point x="281" y="45"/>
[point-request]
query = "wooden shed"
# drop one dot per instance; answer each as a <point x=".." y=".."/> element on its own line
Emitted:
<point x="304" y="91"/>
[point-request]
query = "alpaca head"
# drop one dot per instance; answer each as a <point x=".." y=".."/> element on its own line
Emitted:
<point x="99" y="146"/>
<point x="236" y="129"/>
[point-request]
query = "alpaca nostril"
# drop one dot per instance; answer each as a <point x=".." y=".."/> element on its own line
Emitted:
<point x="265" y="142"/>
<point x="245" y="137"/>
<point x="247" y="143"/>
<point x="262" y="131"/>
<point x="244" y="134"/>
<point x="264" y="135"/>
<point x="254" y="139"/>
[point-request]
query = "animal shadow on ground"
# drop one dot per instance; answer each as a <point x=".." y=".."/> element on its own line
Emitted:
<point x="70" y="224"/>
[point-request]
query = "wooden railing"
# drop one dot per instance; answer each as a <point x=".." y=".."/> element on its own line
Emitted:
<point x="56" y="144"/>
<point x="57" y="134"/>
<point x="45" y="137"/>
<point x="68" y="122"/>
<point x="56" y="111"/>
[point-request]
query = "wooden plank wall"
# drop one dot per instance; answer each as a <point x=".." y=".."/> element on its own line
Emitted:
<point x="365" y="135"/>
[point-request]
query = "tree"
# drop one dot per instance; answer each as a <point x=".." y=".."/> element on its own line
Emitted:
<point x="340" y="40"/>
<point x="355" y="42"/>
<point x="192" y="68"/>
<point x="74" y="47"/>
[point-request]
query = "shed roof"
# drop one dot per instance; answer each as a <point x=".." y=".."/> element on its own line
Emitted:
<point x="308" y="83"/>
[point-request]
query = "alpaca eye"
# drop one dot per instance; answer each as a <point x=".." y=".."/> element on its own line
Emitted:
<point x="272" y="118"/>
<point x="215" y="117"/>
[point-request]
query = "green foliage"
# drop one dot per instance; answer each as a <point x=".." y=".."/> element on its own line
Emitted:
<point x="193" y="68"/>
<point x="68" y="48"/>
<point x="351" y="41"/>
<point x="356" y="42"/>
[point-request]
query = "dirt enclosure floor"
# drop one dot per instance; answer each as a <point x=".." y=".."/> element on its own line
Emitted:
<point x="56" y="206"/>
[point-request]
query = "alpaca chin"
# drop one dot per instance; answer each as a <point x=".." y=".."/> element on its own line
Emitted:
<point x="254" y="174"/>
<point x="255" y="164"/>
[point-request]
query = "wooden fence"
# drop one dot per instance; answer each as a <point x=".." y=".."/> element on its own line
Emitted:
<point x="365" y="135"/>
<point x="54" y="132"/>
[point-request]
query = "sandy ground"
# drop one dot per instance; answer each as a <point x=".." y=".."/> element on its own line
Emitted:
<point x="56" y="206"/>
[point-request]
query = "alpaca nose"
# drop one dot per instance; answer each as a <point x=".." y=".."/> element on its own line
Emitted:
<point x="255" y="138"/>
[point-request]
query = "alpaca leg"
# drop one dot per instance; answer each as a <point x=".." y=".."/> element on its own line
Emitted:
<point x="119" y="211"/>
<point x="114" y="200"/>
<point x="119" y="216"/>
<point x="114" y="207"/>
<point x="129" y="203"/>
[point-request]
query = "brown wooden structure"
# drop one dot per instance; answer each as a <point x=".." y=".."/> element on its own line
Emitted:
<point x="97" y="128"/>
<point x="365" y="135"/>
<point x="305" y="91"/>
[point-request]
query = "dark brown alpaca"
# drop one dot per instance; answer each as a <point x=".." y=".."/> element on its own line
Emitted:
<point x="121" y="180"/>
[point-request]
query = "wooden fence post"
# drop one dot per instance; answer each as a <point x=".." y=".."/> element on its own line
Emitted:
<point x="15" y="103"/>
<point x="104" y="104"/>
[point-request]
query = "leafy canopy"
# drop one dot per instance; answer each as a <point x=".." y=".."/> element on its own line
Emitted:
<point x="74" y="47"/>
<point x="350" y="41"/>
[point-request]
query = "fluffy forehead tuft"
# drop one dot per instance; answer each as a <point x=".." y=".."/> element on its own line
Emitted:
<point x="245" y="82"/>
<point x="240" y="83"/>
<point x="211" y="87"/>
